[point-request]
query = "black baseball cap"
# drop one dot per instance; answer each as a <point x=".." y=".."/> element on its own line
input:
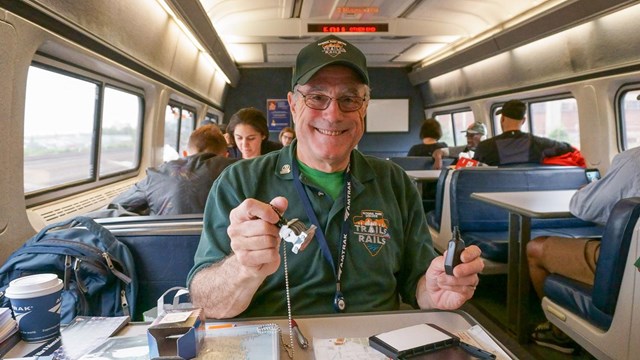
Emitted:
<point x="330" y="50"/>
<point x="514" y="109"/>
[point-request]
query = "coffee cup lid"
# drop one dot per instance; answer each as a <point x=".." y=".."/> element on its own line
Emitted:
<point x="33" y="286"/>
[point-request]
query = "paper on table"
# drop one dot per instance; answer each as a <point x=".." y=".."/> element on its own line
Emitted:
<point x="175" y="317"/>
<point x="345" y="349"/>
<point x="477" y="337"/>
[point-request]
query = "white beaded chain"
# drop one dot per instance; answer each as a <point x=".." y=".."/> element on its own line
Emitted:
<point x="289" y="348"/>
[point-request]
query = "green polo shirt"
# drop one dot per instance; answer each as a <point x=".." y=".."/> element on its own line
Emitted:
<point x="388" y="248"/>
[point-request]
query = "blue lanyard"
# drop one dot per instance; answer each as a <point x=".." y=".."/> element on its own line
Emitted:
<point x="339" y="302"/>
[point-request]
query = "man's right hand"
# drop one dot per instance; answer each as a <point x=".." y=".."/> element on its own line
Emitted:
<point x="254" y="236"/>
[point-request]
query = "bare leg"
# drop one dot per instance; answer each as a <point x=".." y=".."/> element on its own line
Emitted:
<point x="537" y="271"/>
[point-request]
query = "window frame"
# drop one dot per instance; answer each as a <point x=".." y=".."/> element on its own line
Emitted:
<point x="451" y="113"/>
<point x="183" y="107"/>
<point x="527" y="101"/>
<point x="620" y="120"/>
<point x="40" y="196"/>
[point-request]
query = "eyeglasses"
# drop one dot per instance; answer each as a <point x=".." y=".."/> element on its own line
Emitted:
<point x="321" y="102"/>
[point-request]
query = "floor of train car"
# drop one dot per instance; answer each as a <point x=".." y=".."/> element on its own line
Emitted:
<point x="490" y="312"/>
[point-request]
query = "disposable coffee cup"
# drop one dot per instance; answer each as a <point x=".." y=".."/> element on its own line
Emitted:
<point x="36" y="302"/>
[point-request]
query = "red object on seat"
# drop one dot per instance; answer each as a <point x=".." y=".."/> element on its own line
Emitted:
<point x="572" y="158"/>
<point x="466" y="162"/>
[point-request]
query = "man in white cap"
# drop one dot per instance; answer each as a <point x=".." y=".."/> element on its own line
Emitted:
<point x="475" y="133"/>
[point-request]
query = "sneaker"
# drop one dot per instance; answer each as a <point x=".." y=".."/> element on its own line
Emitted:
<point x="544" y="335"/>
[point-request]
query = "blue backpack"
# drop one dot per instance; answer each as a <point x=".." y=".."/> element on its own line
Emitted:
<point x="97" y="269"/>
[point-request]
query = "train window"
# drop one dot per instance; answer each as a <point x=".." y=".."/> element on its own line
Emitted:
<point x="556" y="119"/>
<point x="121" y="131"/>
<point x="629" y="104"/>
<point x="447" y="128"/>
<point x="497" y="129"/>
<point x="58" y="129"/>
<point x="187" y="125"/>
<point x="179" y="123"/>
<point x="210" y="119"/>
<point x="86" y="133"/>
<point x="453" y="124"/>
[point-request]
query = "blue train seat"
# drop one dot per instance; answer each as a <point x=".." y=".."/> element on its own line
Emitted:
<point x="604" y="318"/>
<point x="434" y="217"/>
<point x="429" y="190"/>
<point x="413" y="162"/>
<point x="162" y="247"/>
<point x="486" y="225"/>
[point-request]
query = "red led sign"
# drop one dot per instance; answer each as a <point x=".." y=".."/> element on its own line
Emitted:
<point x="347" y="28"/>
<point x="358" y="9"/>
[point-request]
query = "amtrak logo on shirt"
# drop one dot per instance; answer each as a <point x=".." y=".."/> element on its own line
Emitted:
<point x="372" y="230"/>
<point x="333" y="48"/>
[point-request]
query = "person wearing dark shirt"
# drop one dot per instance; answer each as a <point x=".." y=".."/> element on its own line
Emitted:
<point x="430" y="133"/>
<point x="179" y="186"/>
<point x="514" y="146"/>
<point x="250" y="133"/>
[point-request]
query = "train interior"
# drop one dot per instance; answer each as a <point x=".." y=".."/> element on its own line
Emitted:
<point x="171" y="65"/>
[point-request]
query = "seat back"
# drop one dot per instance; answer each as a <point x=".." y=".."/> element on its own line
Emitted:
<point x="163" y="248"/>
<point x="414" y="162"/>
<point x="473" y="215"/>
<point x="434" y="217"/>
<point x="613" y="253"/>
<point x="604" y="318"/>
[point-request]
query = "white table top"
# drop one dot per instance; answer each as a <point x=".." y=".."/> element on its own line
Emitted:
<point x="535" y="204"/>
<point x="331" y="326"/>
<point x="423" y="174"/>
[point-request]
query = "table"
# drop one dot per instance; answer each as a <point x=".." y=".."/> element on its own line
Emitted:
<point x="420" y="176"/>
<point x="331" y="326"/>
<point x="522" y="207"/>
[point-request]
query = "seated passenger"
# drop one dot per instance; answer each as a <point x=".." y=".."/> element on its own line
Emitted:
<point x="430" y="133"/>
<point x="514" y="146"/>
<point x="376" y="252"/>
<point x="179" y="186"/>
<point x="286" y="136"/>
<point x="250" y="133"/>
<point x="232" y="150"/>
<point x="475" y="133"/>
<point x="577" y="258"/>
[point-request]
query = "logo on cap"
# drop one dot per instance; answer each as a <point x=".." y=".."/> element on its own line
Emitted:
<point x="333" y="48"/>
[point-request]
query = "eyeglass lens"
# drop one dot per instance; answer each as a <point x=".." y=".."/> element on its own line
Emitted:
<point x="321" y="102"/>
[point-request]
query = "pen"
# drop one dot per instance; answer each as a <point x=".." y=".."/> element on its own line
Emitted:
<point x="220" y="326"/>
<point x="476" y="352"/>
<point x="302" y="341"/>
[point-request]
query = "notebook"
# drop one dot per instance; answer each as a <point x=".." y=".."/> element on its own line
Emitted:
<point x="412" y="340"/>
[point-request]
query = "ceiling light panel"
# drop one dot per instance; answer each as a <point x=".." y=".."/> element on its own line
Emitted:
<point x="246" y="53"/>
<point x="419" y="51"/>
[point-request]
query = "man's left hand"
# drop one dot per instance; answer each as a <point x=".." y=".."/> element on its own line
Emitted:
<point x="445" y="292"/>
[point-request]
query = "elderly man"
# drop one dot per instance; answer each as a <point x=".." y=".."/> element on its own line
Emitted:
<point x="371" y="249"/>
<point x="475" y="133"/>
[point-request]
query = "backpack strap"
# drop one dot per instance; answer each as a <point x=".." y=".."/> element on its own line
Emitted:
<point x="64" y="224"/>
<point x="96" y="229"/>
<point x="107" y="237"/>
